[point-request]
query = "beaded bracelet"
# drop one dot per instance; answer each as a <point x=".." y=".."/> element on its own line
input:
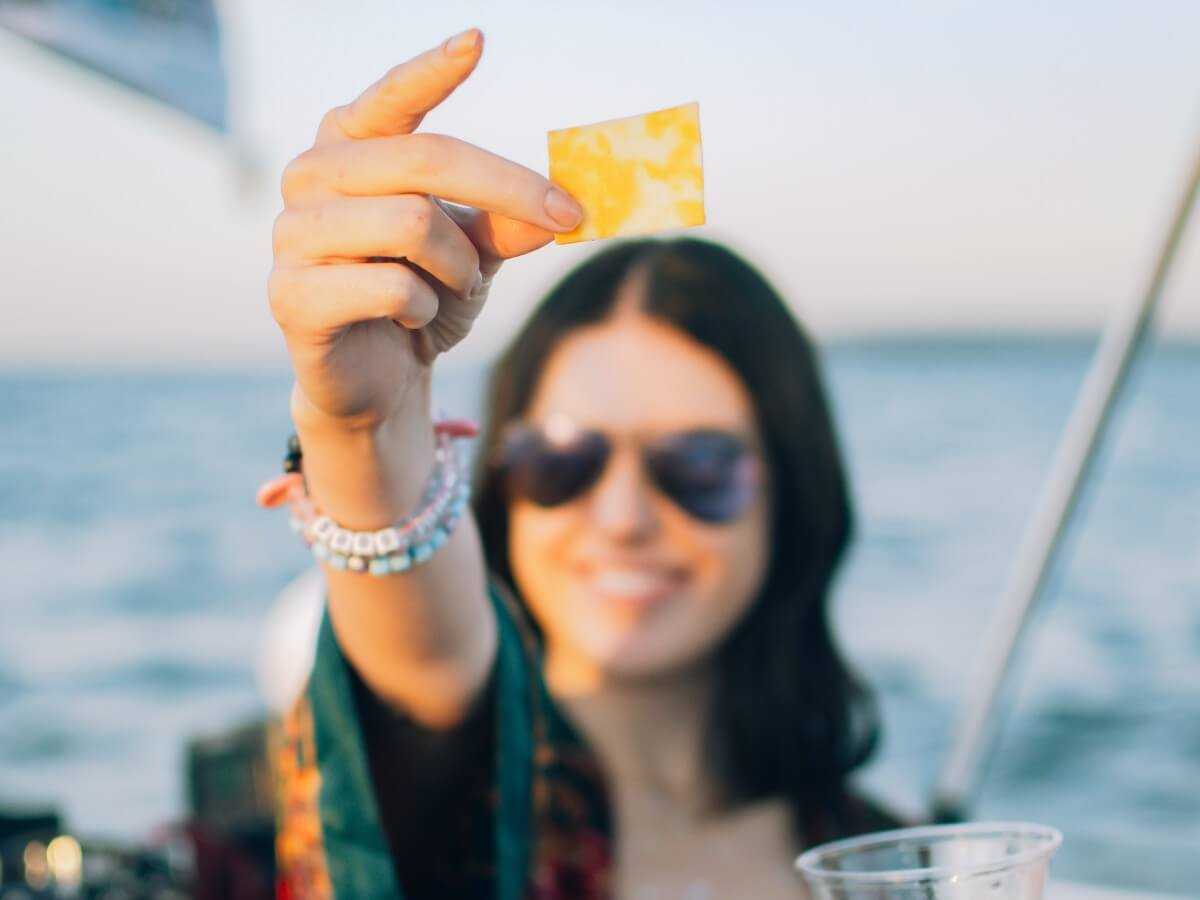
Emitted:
<point x="398" y="547"/>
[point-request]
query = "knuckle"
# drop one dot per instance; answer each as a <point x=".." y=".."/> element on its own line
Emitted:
<point x="331" y="122"/>
<point x="407" y="297"/>
<point x="397" y="284"/>
<point x="280" y="232"/>
<point x="299" y="175"/>
<point x="473" y="262"/>
<point x="426" y="153"/>
<point x="280" y="296"/>
<point x="393" y="88"/>
<point x="417" y="218"/>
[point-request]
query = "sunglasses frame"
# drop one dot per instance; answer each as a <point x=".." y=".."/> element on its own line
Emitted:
<point x="750" y="453"/>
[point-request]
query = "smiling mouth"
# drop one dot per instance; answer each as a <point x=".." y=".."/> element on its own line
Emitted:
<point x="633" y="587"/>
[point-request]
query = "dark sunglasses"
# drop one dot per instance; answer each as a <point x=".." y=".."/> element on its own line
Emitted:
<point x="711" y="474"/>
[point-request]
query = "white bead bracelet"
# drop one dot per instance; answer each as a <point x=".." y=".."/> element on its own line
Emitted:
<point x="398" y="547"/>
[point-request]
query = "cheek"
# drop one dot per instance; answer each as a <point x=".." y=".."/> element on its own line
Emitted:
<point x="734" y="561"/>
<point x="539" y="543"/>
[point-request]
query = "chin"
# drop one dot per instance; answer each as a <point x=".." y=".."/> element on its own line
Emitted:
<point x="629" y="630"/>
<point x="630" y="646"/>
<point x="641" y="664"/>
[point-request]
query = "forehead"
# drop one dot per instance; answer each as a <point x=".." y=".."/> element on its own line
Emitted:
<point x="633" y="373"/>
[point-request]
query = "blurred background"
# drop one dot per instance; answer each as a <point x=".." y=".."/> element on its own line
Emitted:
<point x="954" y="196"/>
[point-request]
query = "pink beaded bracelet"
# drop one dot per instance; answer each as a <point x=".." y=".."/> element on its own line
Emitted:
<point x="398" y="547"/>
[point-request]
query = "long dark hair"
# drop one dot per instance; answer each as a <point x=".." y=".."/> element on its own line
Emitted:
<point x="789" y="717"/>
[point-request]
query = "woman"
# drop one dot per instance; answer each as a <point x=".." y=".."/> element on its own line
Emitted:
<point x="616" y="677"/>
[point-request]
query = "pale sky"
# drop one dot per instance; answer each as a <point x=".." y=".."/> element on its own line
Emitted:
<point x="930" y="166"/>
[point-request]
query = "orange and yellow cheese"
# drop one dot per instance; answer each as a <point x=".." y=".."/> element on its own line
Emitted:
<point x="633" y="176"/>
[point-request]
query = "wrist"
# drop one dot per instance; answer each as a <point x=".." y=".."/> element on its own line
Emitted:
<point x="370" y="474"/>
<point x="408" y="404"/>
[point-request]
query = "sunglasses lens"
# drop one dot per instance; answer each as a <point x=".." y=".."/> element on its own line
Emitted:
<point x="549" y="473"/>
<point x="708" y="473"/>
<point x="711" y="474"/>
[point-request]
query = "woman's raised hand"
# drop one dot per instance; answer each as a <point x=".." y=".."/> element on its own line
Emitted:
<point x="389" y="239"/>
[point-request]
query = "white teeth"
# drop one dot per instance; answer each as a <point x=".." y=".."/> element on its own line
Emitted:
<point x="630" y="584"/>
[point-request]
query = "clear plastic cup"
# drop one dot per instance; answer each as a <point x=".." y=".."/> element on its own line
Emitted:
<point x="979" y="861"/>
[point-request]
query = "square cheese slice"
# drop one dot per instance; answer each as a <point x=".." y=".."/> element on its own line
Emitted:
<point x="633" y="176"/>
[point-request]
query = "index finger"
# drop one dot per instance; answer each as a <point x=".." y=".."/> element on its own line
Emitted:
<point x="397" y="102"/>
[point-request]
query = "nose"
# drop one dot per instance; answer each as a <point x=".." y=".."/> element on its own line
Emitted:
<point x="621" y="503"/>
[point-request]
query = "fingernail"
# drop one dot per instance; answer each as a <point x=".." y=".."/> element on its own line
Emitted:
<point x="562" y="208"/>
<point x="464" y="43"/>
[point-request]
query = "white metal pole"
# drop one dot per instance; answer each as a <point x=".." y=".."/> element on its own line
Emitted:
<point x="982" y="715"/>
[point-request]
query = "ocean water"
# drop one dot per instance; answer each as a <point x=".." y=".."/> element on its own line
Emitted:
<point x="137" y="572"/>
